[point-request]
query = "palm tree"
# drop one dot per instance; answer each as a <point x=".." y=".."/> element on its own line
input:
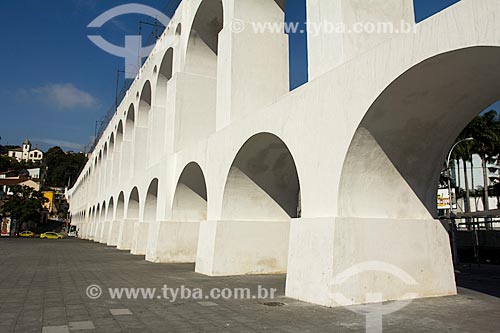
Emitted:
<point x="463" y="152"/>
<point x="483" y="130"/>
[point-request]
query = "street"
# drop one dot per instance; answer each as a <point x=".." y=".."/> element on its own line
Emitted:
<point x="44" y="285"/>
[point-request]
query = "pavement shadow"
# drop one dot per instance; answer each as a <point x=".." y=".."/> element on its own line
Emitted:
<point x="481" y="278"/>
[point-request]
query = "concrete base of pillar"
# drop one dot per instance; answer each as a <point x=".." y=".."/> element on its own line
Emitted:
<point x="140" y="238"/>
<point x="346" y="261"/>
<point x="114" y="232"/>
<point x="177" y="242"/>
<point x="126" y="235"/>
<point x="243" y="247"/>
<point x="98" y="232"/>
<point x="90" y="231"/>
<point x="105" y="232"/>
<point x="83" y="232"/>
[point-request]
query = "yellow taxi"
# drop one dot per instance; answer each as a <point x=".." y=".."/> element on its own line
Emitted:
<point x="50" y="235"/>
<point x="27" y="233"/>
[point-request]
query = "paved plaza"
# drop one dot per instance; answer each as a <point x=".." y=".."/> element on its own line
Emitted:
<point x="44" y="284"/>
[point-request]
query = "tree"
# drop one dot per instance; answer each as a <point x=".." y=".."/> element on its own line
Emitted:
<point x="485" y="130"/>
<point x="25" y="205"/>
<point x="8" y="163"/>
<point x="482" y="129"/>
<point x="63" y="168"/>
<point x="4" y="150"/>
<point x="463" y="152"/>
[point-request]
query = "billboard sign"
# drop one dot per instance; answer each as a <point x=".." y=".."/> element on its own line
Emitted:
<point x="443" y="198"/>
<point x="5" y="227"/>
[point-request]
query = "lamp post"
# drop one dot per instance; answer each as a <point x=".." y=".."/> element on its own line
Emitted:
<point x="452" y="215"/>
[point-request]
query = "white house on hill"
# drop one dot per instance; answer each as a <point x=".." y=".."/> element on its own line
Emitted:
<point x="26" y="153"/>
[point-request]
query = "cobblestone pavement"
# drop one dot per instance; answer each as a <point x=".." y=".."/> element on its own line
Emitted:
<point x="43" y="288"/>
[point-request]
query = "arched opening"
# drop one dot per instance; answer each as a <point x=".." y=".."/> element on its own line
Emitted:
<point x="195" y="118"/>
<point x="105" y="152"/>
<point x="112" y="143"/>
<point x="261" y="196"/>
<point x="389" y="180"/>
<point x="132" y="217"/>
<point x="110" y="210"/>
<point x="130" y="123"/>
<point x="178" y="30"/>
<point x="141" y="228"/>
<point x="165" y="74"/>
<point x="117" y="221"/>
<point x="179" y="237"/>
<point x="190" y="199"/>
<point x="108" y="220"/>
<point x="101" y="223"/>
<point x="263" y="176"/>
<point x="119" y="133"/>
<point x="142" y="129"/>
<point x="158" y="136"/>
<point x="105" y="173"/>
<point x="144" y="105"/>
<point x="151" y="202"/>
<point x="120" y="207"/>
<point x="393" y="164"/>
<point x="202" y="51"/>
<point x="95" y="224"/>
<point x="115" y="174"/>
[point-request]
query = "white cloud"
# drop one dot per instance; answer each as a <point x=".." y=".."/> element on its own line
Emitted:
<point x="64" y="96"/>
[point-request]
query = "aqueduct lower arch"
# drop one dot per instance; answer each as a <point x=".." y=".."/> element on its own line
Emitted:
<point x="401" y="143"/>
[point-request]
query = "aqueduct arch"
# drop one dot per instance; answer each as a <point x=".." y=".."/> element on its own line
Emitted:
<point x="164" y="75"/>
<point x="100" y="223"/>
<point x="117" y="138"/>
<point x="142" y="130"/>
<point x="114" y="231"/>
<point x="151" y="201"/>
<point x="261" y="196"/>
<point x="178" y="237"/>
<point x="195" y="117"/>
<point x="128" y="223"/>
<point x="130" y="123"/>
<point x="401" y="143"/>
<point x="142" y="225"/>
<point x="190" y="199"/>
<point x="107" y="221"/>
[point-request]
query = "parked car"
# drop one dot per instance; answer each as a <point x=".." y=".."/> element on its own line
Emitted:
<point x="51" y="235"/>
<point x="27" y="233"/>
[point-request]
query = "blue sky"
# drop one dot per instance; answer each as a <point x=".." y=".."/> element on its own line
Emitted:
<point x="57" y="83"/>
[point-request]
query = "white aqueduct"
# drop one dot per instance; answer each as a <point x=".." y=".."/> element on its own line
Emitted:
<point x="211" y="160"/>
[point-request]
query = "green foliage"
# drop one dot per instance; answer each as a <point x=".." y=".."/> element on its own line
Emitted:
<point x="62" y="167"/>
<point x="11" y="164"/>
<point x="485" y="132"/>
<point x="4" y="150"/>
<point x="8" y="163"/>
<point x="25" y="205"/>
